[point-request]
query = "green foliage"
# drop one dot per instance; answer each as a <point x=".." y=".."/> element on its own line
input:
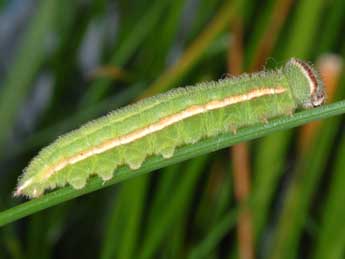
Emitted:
<point x="187" y="210"/>
<point x="27" y="63"/>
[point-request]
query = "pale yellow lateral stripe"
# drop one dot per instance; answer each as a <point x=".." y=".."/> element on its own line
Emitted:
<point x="157" y="126"/>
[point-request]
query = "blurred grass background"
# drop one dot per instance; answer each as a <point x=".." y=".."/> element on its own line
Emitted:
<point x="66" y="62"/>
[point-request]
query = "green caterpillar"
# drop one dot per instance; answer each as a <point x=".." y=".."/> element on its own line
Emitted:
<point x="160" y="124"/>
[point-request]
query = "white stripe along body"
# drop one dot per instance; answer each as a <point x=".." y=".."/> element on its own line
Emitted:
<point x="157" y="125"/>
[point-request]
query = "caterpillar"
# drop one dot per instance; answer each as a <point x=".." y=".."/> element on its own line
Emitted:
<point x="160" y="124"/>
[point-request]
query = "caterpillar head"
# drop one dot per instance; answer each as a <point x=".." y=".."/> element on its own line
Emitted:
<point x="305" y="83"/>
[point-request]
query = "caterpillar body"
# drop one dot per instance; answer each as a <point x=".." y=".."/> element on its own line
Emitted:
<point x="159" y="124"/>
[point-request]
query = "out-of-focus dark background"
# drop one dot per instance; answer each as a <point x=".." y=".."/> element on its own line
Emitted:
<point x="63" y="63"/>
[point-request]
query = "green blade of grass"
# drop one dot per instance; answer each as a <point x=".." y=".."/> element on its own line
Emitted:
<point x="173" y="211"/>
<point x="204" y="249"/>
<point x="43" y="232"/>
<point x="196" y="50"/>
<point x="126" y="49"/>
<point x="298" y="198"/>
<point x="330" y="245"/>
<point x="175" y="247"/>
<point x="182" y="154"/>
<point x="72" y="25"/>
<point x="213" y="220"/>
<point x="206" y="8"/>
<point x="129" y="241"/>
<point x="10" y="243"/>
<point x="156" y="50"/>
<point x="304" y="28"/>
<point x="123" y="224"/>
<point x="333" y="26"/>
<point x="262" y="23"/>
<point x="215" y="197"/>
<point x="26" y="64"/>
<point x="166" y="185"/>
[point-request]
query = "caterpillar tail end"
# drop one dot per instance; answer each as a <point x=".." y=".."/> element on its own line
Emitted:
<point x="19" y="191"/>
